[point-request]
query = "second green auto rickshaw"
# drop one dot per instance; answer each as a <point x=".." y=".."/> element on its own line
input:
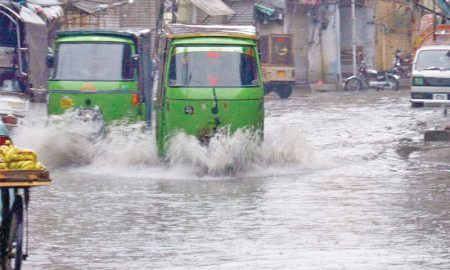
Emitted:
<point x="104" y="73"/>
<point x="210" y="81"/>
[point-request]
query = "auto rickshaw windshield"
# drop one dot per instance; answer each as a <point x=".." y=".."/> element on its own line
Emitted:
<point x="93" y="62"/>
<point x="219" y="66"/>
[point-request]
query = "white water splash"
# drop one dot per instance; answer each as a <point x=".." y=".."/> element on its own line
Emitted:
<point x="240" y="151"/>
<point x="64" y="142"/>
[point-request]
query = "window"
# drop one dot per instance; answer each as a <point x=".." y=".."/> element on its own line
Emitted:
<point x="93" y="62"/>
<point x="433" y="59"/>
<point x="221" y="66"/>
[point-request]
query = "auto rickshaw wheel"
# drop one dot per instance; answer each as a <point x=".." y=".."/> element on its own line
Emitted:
<point x="284" y="91"/>
<point x="15" y="238"/>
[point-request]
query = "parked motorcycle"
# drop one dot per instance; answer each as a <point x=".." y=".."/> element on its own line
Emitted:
<point x="371" y="78"/>
<point x="402" y="64"/>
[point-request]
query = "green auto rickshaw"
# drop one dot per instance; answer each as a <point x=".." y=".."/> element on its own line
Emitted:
<point x="210" y="80"/>
<point x="106" y="73"/>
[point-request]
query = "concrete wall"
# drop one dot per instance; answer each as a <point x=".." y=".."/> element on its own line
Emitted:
<point x="397" y="28"/>
<point x="331" y="46"/>
<point x="296" y="23"/>
<point x="365" y="34"/>
<point x="324" y="45"/>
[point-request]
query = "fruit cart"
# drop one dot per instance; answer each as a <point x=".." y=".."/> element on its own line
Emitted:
<point x="15" y="195"/>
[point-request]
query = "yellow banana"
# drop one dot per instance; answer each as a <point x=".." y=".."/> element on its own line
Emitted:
<point x="16" y="166"/>
<point x="30" y="167"/>
<point x="12" y="165"/>
<point x="27" y="164"/>
<point x="32" y="157"/>
<point x="19" y="164"/>
<point x="10" y="154"/>
<point x="4" y="150"/>
<point x="39" y="166"/>
<point x="22" y="157"/>
<point x="15" y="158"/>
<point x="28" y="152"/>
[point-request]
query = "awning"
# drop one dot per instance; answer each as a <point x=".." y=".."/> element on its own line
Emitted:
<point x="265" y="9"/>
<point x="267" y="12"/>
<point x="28" y="16"/>
<point x="48" y="9"/>
<point x="213" y="7"/>
<point x="32" y="13"/>
<point x="96" y="6"/>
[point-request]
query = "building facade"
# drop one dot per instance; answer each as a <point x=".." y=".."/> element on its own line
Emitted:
<point x="110" y="14"/>
<point x="321" y="29"/>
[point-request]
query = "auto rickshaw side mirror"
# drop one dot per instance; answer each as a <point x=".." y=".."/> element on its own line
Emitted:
<point x="135" y="60"/>
<point x="50" y="60"/>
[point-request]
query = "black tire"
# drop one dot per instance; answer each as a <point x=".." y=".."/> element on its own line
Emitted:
<point x="353" y="84"/>
<point x="15" y="239"/>
<point x="417" y="104"/>
<point x="284" y="91"/>
<point x="394" y="81"/>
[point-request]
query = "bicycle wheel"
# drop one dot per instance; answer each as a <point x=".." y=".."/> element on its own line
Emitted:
<point x="15" y="239"/>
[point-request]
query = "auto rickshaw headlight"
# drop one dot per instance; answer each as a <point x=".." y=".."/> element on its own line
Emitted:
<point x="135" y="99"/>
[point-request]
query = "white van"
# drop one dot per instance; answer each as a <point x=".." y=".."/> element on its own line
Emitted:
<point x="431" y="76"/>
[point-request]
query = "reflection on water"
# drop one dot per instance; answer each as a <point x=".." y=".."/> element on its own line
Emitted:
<point x="342" y="181"/>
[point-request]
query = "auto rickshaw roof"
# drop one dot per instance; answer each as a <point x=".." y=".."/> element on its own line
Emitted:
<point x="120" y="32"/>
<point x="177" y="30"/>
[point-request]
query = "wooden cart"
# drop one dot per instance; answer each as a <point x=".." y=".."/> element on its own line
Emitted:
<point x="15" y="195"/>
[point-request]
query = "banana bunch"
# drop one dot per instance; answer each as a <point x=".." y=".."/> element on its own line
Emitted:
<point x="13" y="158"/>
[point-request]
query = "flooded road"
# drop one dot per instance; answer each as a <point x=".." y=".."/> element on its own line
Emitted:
<point x="342" y="181"/>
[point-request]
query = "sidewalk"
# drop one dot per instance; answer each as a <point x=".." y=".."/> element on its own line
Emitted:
<point x="404" y="84"/>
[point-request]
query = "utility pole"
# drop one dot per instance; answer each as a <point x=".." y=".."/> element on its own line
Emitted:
<point x="434" y="21"/>
<point x="354" y="36"/>
<point x="174" y="11"/>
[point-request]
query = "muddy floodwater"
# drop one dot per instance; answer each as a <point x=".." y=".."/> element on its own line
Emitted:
<point x="342" y="181"/>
